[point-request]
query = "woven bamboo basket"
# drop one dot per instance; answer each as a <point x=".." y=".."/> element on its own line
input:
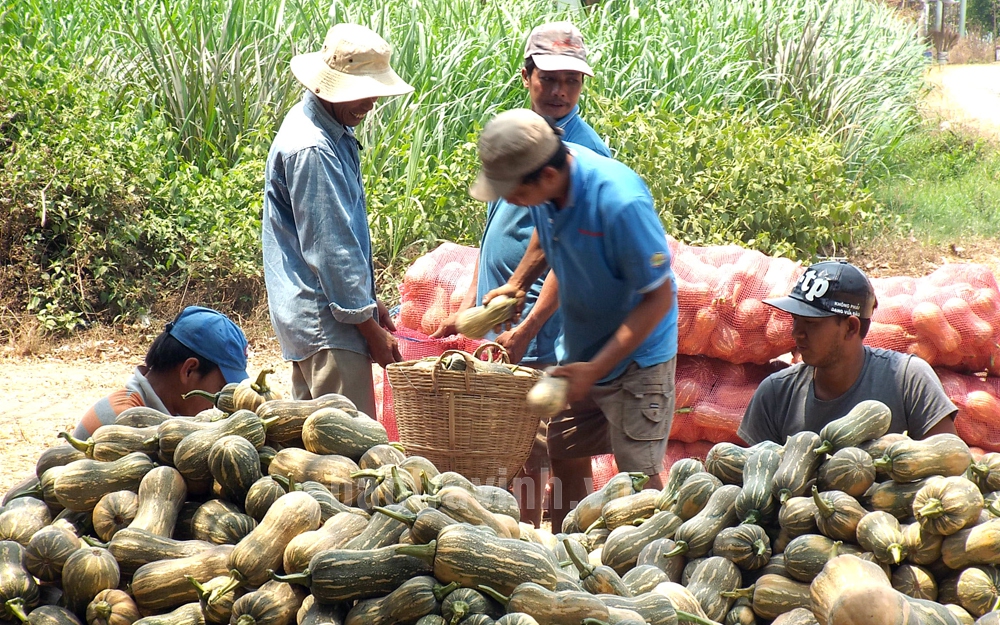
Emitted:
<point x="474" y="422"/>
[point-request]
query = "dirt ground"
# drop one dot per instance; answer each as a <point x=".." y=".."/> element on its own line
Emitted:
<point x="967" y="95"/>
<point x="45" y="388"/>
<point x="44" y="394"/>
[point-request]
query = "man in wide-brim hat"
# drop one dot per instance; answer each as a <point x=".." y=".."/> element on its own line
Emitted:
<point x="316" y="244"/>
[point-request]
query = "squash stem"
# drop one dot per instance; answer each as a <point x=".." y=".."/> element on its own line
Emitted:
<point x="687" y="617"/>
<point x="235" y="580"/>
<point x="638" y="481"/>
<point x="933" y="508"/>
<point x="304" y="578"/>
<point x="896" y="551"/>
<point x="823" y="505"/>
<point x="15" y="606"/>
<point x="784" y="495"/>
<point x="825" y="447"/>
<point x="980" y="468"/>
<point x="459" y="610"/>
<point x="585" y="568"/>
<point x="884" y="463"/>
<point x="397" y="446"/>
<point x="400" y="491"/>
<point x="198" y="587"/>
<point x="93" y="542"/>
<point x="246" y="619"/>
<point x="752" y="518"/>
<point x="213" y="397"/>
<point x="739" y="593"/>
<point x="596" y="525"/>
<point x="680" y="548"/>
<point x="103" y="609"/>
<point x="288" y="483"/>
<point x="260" y="385"/>
<point x="494" y="594"/>
<point x="426" y="484"/>
<point x="440" y="592"/>
<point x="366" y="473"/>
<point x="87" y="446"/>
<point x="424" y="552"/>
<point x="761" y="546"/>
<point x="403" y="517"/>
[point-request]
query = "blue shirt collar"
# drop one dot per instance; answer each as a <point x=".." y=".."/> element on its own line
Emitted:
<point x="314" y="108"/>
<point x="562" y="121"/>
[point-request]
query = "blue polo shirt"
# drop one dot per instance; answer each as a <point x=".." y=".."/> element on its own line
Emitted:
<point x="608" y="248"/>
<point x="505" y="240"/>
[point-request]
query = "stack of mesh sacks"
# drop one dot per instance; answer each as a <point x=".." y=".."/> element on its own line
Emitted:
<point x="433" y="288"/>
<point x="728" y="339"/>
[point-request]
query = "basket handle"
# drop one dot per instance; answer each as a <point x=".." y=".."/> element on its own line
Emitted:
<point x="495" y="352"/>
<point x="469" y="366"/>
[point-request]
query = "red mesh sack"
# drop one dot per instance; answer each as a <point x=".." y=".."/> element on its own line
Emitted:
<point x="383" y="403"/>
<point x="978" y="402"/>
<point x="950" y="318"/>
<point x="720" y="293"/>
<point x="433" y="288"/>
<point x="711" y="397"/>
<point x="434" y="285"/>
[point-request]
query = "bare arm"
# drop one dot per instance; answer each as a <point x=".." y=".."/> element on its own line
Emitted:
<point x="944" y="426"/>
<point x="532" y="265"/>
<point x="516" y="340"/>
<point x="638" y="325"/>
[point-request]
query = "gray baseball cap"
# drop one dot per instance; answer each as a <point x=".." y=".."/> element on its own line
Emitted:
<point x="827" y="289"/>
<point x="557" y="46"/>
<point x="512" y="145"/>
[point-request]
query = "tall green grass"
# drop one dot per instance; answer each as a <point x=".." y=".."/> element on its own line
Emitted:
<point x="219" y="68"/>
<point x="945" y="186"/>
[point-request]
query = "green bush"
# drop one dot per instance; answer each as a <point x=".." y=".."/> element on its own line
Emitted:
<point x="729" y="177"/>
<point x="97" y="221"/>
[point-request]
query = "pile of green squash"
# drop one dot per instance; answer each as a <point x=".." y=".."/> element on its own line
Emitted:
<point x="267" y="511"/>
<point x="849" y="526"/>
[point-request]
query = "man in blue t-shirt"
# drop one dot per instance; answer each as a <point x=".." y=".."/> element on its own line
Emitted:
<point x="596" y="227"/>
<point x="555" y="63"/>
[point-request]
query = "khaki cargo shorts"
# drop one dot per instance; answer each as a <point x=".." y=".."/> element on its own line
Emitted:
<point x="629" y="416"/>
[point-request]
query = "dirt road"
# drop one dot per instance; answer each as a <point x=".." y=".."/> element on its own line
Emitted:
<point x="967" y="95"/>
<point x="40" y="397"/>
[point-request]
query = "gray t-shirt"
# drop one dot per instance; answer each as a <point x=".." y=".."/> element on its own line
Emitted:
<point x="785" y="402"/>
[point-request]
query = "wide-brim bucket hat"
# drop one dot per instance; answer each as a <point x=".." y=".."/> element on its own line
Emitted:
<point x="352" y="65"/>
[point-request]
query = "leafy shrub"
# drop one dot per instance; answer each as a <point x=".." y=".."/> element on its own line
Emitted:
<point x="729" y="177"/>
<point x="98" y="223"/>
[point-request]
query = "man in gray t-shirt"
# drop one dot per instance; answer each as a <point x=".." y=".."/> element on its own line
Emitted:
<point x="831" y="307"/>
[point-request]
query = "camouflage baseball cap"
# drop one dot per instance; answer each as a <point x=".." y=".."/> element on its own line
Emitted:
<point x="557" y="46"/>
<point x="827" y="289"/>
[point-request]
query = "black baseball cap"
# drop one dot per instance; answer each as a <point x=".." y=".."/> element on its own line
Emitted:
<point x="827" y="289"/>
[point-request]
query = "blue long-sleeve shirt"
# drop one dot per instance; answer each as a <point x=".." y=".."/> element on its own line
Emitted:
<point x="505" y="240"/>
<point x="316" y="244"/>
